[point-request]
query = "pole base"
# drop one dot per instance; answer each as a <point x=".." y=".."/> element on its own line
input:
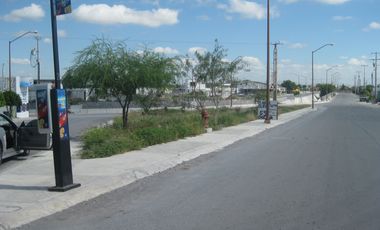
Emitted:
<point x="267" y="121"/>
<point x="63" y="189"/>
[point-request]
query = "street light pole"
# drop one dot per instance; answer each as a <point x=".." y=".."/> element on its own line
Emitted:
<point x="10" y="56"/>
<point x="327" y="71"/>
<point x="364" y="66"/>
<point x="267" y="119"/>
<point x="312" y="73"/>
<point x="38" y="60"/>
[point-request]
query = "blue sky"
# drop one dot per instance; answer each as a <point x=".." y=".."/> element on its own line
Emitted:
<point x="179" y="27"/>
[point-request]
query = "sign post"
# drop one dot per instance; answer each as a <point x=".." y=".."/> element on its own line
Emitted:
<point x="61" y="137"/>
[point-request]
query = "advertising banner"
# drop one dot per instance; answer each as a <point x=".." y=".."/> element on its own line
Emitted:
<point x="62" y="110"/>
<point x="62" y="7"/>
<point x="43" y="109"/>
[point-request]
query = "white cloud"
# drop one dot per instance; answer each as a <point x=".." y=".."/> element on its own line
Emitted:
<point x="342" y="18"/>
<point x="32" y="12"/>
<point x="62" y="33"/>
<point x="166" y="50"/>
<point x="20" y="61"/>
<point x="203" y="17"/>
<point x="120" y="14"/>
<point x="288" y="1"/>
<point x="374" y="25"/>
<point x="253" y="63"/>
<point x="246" y="9"/>
<point x="333" y="2"/>
<point x="47" y="40"/>
<point x="200" y="50"/>
<point x="356" y="62"/>
<point x="330" y="2"/>
<point x="297" y="46"/>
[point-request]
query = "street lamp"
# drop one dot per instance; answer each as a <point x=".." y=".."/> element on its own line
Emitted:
<point x="312" y="72"/>
<point x="10" y="55"/>
<point x="327" y="71"/>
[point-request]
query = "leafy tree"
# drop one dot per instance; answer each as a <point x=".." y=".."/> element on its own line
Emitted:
<point x="157" y="75"/>
<point x="326" y="89"/>
<point x="289" y="85"/>
<point x="2" y="100"/>
<point x="230" y="70"/>
<point x="118" y="72"/>
<point x="11" y="99"/>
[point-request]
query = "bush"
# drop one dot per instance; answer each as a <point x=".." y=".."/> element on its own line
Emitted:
<point x="159" y="126"/>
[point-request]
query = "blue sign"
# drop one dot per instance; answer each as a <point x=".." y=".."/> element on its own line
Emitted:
<point x="62" y="7"/>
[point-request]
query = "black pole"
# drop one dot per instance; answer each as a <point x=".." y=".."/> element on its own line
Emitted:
<point x="61" y="137"/>
<point x="267" y="119"/>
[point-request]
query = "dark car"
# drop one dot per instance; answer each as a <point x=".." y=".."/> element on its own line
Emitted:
<point x="15" y="140"/>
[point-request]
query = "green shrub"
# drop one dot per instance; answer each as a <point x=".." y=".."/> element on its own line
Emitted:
<point x="159" y="126"/>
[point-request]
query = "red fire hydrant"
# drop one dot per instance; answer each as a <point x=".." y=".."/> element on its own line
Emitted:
<point x="205" y="117"/>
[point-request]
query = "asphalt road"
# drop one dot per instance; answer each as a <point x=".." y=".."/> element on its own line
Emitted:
<point x="318" y="172"/>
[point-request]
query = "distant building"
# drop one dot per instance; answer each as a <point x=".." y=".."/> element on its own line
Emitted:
<point x="246" y="87"/>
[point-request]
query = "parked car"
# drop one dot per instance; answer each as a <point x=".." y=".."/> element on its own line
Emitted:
<point x="16" y="140"/>
<point x="364" y="98"/>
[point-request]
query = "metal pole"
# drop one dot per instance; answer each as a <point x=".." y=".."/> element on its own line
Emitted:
<point x="267" y="119"/>
<point x="10" y="56"/>
<point x="312" y="72"/>
<point x="61" y="145"/>
<point x="376" y="78"/>
<point x="10" y="66"/>
<point x="38" y="61"/>
<point x="365" y="85"/>
<point x="312" y="80"/>
<point x="55" y="46"/>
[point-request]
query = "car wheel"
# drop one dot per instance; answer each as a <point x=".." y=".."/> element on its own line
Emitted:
<point x="25" y="152"/>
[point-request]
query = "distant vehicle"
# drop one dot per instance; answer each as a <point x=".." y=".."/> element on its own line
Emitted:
<point x="364" y="98"/>
<point x="16" y="140"/>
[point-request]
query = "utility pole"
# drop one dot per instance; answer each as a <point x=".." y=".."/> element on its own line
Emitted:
<point x="355" y="83"/>
<point x="267" y="118"/>
<point x="375" y="67"/>
<point x="275" y="61"/>
<point x="364" y="66"/>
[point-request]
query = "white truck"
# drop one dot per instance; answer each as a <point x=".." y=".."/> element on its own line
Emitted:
<point x="17" y="140"/>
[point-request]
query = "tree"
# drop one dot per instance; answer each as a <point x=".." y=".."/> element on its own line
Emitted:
<point x="325" y="89"/>
<point x="157" y="75"/>
<point x="211" y="68"/>
<point x="11" y="99"/>
<point x="2" y="99"/>
<point x="230" y="70"/>
<point x="116" y="71"/>
<point x="289" y="85"/>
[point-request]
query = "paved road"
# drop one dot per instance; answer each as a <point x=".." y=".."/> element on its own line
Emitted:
<point x="318" y="172"/>
<point x="81" y="122"/>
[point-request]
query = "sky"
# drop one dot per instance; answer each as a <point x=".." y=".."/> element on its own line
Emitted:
<point x="180" y="27"/>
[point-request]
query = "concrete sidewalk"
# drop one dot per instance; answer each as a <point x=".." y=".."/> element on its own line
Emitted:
<point x="23" y="188"/>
